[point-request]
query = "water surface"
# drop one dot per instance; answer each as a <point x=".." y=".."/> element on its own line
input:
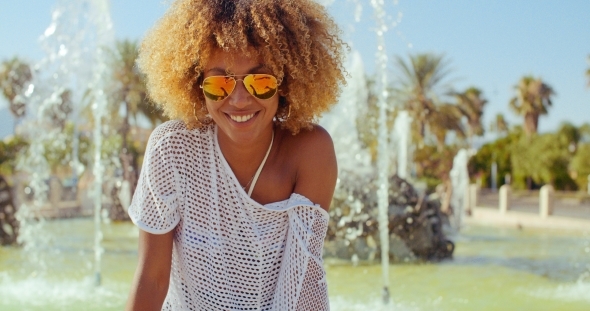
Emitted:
<point x="492" y="269"/>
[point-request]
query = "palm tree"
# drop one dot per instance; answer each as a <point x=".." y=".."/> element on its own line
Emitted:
<point x="569" y="135"/>
<point x="419" y="88"/>
<point x="499" y="125"/>
<point x="533" y="99"/>
<point x="446" y="117"/>
<point x="471" y="104"/>
<point x="129" y="90"/>
<point x="128" y="84"/>
<point x="58" y="114"/>
<point x="15" y="75"/>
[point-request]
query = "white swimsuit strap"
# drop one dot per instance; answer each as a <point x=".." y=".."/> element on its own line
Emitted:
<point x="255" y="178"/>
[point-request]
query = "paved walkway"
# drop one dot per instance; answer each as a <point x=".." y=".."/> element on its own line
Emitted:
<point x="529" y="203"/>
<point x="568" y="213"/>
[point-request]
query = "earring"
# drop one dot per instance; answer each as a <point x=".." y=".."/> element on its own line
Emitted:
<point x="207" y="121"/>
<point x="280" y="117"/>
<point x="288" y="114"/>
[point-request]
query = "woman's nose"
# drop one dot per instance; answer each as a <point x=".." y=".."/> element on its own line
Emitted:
<point x="240" y="97"/>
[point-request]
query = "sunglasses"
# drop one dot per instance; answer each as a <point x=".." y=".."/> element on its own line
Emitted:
<point x="261" y="86"/>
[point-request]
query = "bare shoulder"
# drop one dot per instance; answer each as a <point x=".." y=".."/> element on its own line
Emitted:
<point x="311" y="141"/>
<point x="317" y="170"/>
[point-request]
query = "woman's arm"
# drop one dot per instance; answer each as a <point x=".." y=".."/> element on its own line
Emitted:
<point x="152" y="276"/>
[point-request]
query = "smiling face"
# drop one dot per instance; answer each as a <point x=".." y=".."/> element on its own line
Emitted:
<point x="241" y="117"/>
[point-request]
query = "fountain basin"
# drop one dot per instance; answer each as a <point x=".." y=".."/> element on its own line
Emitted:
<point x="492" y="269"/>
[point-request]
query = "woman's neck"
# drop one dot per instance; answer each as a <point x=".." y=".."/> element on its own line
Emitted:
<point x="244" y="156"/>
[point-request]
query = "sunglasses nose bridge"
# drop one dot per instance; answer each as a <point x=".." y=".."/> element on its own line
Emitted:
<point x="240" y="83"/>
<point x="240" y="96"/>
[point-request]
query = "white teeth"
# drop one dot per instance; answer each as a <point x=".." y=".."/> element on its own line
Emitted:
<point x="241" y="118"/>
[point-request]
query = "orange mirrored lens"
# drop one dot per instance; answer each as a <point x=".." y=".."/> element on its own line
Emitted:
<point x="217" y="88"/>
<point x="261" y="86"/>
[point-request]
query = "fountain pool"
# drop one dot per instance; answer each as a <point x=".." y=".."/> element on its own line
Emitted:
<point x="492" y="269"/>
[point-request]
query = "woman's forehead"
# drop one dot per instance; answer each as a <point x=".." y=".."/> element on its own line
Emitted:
<point x="234" y="62"/>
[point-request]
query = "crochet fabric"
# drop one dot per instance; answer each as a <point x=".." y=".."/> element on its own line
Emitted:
<point x="230" y="252"/>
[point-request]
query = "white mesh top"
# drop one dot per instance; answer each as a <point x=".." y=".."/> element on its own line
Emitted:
<point x="230" y="252"/>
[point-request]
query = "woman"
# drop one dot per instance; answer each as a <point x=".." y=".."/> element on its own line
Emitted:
<point x="233" y="196"/>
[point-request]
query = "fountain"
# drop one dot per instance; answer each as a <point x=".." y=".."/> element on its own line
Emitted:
<point x="395" y="222"/>
<point x="460" y="184"/>
<point x="401" y="144"/>
<point x="63" y="87"/>
<point x="382" y="141"/>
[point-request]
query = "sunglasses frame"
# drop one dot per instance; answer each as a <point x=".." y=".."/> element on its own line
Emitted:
<point x="243" y="83"/>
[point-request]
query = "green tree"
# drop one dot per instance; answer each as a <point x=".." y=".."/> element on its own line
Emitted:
<point x="128" y="93"/>
<point x="128" y="89"/>
<point x="542" y="159"/>
<point x="580" y="166"/>
<point x="584" y="131"/>
<point x="471" y="104"/>
<point x="366" y="122"/>
<point x="419" y="88"/>
<point x="10" y="149"/>
<point x="579" y="143"/>
<point x="58" y="114"/>
<point x="446" y="118"/>
<point x="499" y="125"/>
<point x="499" y="152"/>
<point x="15" y="75"/>
<point x="433" y="165"/>
<point x="128" y="86"/>
<point x="533" y="98"/>
<point x="569" y="135"/>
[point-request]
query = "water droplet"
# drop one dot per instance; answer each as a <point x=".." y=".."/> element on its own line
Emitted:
<point x="30" y="90"/>
<point x="50" y="30"/>
<point x="358" y="12"/>
<point x="62" y="50"/>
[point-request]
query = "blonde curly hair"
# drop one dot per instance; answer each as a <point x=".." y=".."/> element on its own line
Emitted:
<point x="297" y="40"/>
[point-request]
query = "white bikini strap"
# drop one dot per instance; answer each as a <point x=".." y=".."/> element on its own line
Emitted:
<point x="255" y="178"/>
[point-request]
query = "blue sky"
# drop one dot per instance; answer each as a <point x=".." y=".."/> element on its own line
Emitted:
<point x="490" y="44"/>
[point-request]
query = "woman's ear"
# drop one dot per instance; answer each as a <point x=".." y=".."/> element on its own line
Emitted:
<point x="283" y="90"/>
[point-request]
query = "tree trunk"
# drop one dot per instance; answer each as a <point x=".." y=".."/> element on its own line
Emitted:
<point x="531" y="121"/>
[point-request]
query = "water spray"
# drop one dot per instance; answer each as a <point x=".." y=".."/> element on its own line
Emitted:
<point x="382" y="141"/>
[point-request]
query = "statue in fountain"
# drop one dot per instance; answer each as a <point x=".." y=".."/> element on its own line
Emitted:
<point x="416" y="223"/>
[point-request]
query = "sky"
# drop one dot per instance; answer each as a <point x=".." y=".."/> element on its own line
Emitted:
<point x="489" y="44"/>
